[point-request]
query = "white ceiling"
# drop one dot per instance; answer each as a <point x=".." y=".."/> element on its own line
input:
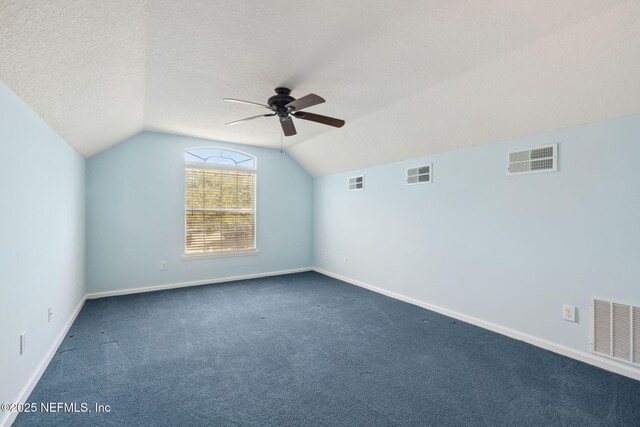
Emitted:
<point x="410" y="78"/>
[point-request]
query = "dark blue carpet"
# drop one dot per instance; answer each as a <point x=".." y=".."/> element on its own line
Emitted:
<point x="305" y="349"/>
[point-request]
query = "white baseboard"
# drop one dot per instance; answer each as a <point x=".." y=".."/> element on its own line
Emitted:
<point x="582" y="356"/>
<point x="9" y="417"/>
<point x="152" y="288"/>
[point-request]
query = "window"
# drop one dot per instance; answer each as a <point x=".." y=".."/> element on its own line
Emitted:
<point x="220" y="201"/>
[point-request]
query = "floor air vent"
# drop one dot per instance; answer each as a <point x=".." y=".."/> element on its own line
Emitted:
<point x="615" y="330"/>
<point x="535" y="160"/>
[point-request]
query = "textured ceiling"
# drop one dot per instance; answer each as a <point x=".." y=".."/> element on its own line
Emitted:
<point x="428" y="76"/>
<point x="79" y="64"/>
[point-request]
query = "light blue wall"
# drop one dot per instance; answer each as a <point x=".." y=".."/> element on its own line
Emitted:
<point x="42" y="215"/>
<point x="508" y="250"/>
<point x="135" y="211"/>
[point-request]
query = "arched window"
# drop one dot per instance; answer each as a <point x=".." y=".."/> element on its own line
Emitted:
<point x="220" y="201"/>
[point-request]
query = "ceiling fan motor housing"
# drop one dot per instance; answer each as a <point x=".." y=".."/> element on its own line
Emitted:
<point x="279" y="100"/>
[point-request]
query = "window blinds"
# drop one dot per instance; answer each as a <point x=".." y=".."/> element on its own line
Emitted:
<point x="220" y="211"/>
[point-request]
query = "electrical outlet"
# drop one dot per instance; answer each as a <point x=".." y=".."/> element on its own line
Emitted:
<point x="23" y="343"/>
<point x="326" y="255"/>
<point x="346" y="260"/>
<point x="49" y="314"/>
<point x="569" y="312"/>
<point x="163" y="265"/>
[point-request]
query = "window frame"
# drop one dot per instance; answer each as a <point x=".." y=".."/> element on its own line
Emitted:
<point x="218" y="166"/>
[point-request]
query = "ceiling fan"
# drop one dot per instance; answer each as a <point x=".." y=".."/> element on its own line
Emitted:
<point x="283" y="105"/>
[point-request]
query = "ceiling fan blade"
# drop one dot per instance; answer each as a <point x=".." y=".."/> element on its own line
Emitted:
<point x="304" y="102"/>
<point x="249" y="118"/>
<point x="325" y="120"/>
<point x="288" y="127"/>
<point x="239" y="101"/>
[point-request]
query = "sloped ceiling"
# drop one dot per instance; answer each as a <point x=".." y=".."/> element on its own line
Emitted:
<point x="410" y="78"/>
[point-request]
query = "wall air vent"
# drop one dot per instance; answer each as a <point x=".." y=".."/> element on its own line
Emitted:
<point x="615" y="330"/>
<point x="535" y="160"/>
<point x="356" y="183"/>
<point x="420" y="175"/>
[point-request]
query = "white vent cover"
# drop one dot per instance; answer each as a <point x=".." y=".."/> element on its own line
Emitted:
<point x="356" y="183"/>
<point x="535" y="160"/>
<point x="420" y="175"/>
<point x="615" y="329"/>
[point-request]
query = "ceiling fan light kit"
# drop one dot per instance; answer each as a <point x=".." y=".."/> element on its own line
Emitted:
<point x="286" y="106"/>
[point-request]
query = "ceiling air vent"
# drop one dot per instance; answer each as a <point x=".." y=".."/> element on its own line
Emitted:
<point x="535" y="160"/>
<point x="356" y="183"/>
<point x="615" y="330"/>
<point x="419" y="175"/>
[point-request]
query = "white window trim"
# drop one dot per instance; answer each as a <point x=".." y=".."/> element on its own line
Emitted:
<point x="196" y="165"/>
<point x="214" y="166"/>
<point x="194" y="257"/>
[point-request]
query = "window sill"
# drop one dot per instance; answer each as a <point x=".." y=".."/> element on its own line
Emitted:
<point x="194" y="257"/>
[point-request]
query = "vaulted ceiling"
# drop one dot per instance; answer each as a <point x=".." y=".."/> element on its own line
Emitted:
<point x="410" y="78"/>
